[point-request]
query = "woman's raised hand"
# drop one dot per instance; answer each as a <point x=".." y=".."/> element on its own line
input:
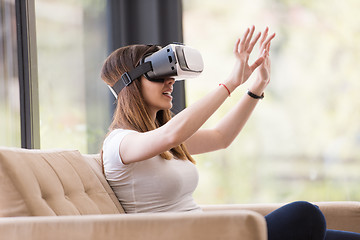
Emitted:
<point x="263" y="77"/>
<point x="264" y="69"/>
<point x="243" y="48"/>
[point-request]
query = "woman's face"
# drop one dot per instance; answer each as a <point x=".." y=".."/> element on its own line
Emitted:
<point x="157" y="94"/>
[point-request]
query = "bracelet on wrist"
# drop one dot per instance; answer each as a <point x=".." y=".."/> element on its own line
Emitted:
<point x="253" y="95"/>
<point x="221" y="84"/>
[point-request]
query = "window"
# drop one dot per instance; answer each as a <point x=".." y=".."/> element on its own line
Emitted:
<point x="58" y="100"/>
<point x="9" y="82"/>
<point x="303" y="140"/>
<point x="72" y="45"/>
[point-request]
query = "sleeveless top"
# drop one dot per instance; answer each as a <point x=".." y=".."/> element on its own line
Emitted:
<point x="152" y="185"/>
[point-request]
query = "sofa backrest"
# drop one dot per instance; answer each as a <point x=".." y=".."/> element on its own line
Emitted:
<point x="94" y="160"/>
<point x="54" y="182"/>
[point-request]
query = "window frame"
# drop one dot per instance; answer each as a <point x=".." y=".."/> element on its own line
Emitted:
<point x="28" y="73"/>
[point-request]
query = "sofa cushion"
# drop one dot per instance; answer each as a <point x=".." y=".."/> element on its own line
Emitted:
<point x="94" y="160"/>
<point x="48" y="183"/>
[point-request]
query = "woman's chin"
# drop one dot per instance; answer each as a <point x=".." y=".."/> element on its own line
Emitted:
<point x="168" y="107"/>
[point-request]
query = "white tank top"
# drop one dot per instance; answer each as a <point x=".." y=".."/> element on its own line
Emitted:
<point x="152" y="185"/>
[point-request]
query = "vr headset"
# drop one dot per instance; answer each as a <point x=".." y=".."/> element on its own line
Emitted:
<point x="173" y="61"/>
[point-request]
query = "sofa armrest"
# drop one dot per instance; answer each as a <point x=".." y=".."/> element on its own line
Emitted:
<point x="228" y="225"/>
<point x="261" y="208"/>
<point x="339" y="215"/>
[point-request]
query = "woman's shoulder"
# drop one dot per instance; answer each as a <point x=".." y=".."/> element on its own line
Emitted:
<point x="120" y="131"/>
<point x="111" y="145"/>
<point x="117" y="134"/>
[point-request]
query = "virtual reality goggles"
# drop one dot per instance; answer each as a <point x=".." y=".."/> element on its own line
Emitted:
<point x="173" y="61"/>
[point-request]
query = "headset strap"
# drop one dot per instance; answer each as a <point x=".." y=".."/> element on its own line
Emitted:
<point x="128" y="77"/>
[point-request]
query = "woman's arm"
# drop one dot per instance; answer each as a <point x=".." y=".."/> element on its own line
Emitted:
<point x="142" y="146"/>
<point x="222" y="135"/>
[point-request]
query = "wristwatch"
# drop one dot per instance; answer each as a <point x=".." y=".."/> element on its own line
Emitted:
<point x="254" y="95"/>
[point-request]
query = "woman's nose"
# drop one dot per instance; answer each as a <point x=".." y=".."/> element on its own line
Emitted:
<point x="170" y="81"/>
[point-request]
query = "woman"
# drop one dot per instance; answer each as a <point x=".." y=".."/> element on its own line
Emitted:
<point x="147" y="154"/>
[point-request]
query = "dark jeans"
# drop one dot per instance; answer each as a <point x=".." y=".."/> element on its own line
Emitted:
<point x="302" y="221"/>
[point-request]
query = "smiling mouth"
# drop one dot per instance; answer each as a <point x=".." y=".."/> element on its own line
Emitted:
<point x="167" y="94"/>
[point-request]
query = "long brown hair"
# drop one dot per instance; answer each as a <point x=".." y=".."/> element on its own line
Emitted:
<point x="131" y="110"/>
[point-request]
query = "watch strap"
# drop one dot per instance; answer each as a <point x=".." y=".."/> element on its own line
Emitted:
<point x="253" y="95"/>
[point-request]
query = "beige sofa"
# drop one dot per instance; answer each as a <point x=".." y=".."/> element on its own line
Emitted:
<point x="62" y="194"/>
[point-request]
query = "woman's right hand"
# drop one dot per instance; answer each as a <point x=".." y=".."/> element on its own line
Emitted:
<point x="243" y="48"/>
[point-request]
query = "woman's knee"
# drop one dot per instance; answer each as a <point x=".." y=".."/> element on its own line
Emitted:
<point x="298" y="220"/>
<point x="306" y="212"/>
<point x="307" y="209"/>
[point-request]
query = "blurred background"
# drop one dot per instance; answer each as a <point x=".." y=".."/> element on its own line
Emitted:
<point x="301" y="143"/>
<point x="303" y="140"/>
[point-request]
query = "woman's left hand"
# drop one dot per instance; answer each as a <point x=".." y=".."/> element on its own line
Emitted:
<point x="263" y="77"/>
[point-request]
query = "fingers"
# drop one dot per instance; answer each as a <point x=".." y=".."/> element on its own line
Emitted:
<point x="268" y="47"/>
<point x="257" y="63"/>
<point x="247" y="42"/>
<point x="243" y="40"/>
<point x="267" y="42"/>
<point x="264" y="55"/>
<point x="236" y="48"/>
<point x="253" y="42"/>
<point x="264" y="36"/>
